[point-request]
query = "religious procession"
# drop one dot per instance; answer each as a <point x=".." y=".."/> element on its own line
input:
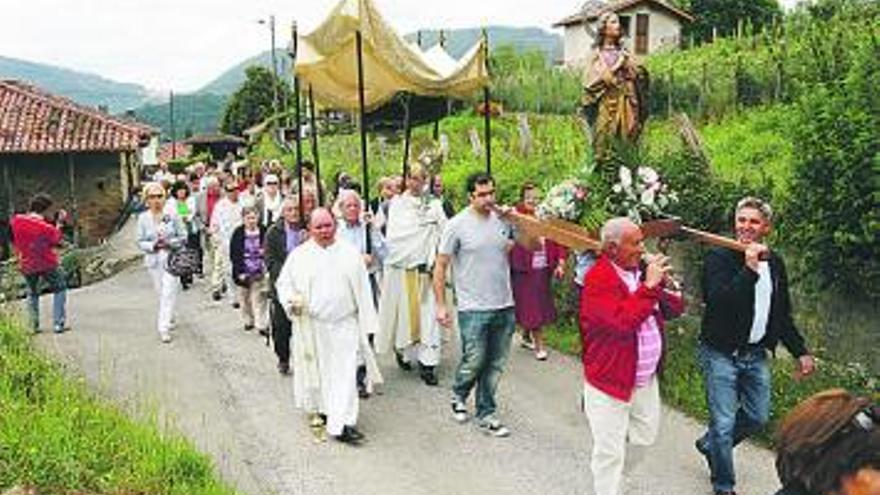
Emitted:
<point x="440" y="276"/>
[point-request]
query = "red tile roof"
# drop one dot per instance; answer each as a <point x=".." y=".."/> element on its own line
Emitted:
<point x="34" y="121"/>
<point x="180" y="150"/>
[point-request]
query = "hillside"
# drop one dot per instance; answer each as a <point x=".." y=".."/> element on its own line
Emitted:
<point x="193" y="113"/>
<point x="84" y="88"/>
<point x="229" y="81"/>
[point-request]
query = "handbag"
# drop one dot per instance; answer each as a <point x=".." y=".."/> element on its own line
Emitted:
<point x="182" y="262"/>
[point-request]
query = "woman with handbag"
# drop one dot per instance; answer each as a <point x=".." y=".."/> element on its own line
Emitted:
<point x="158" y="234"/>
<point x="247" y="250"/>
<point x="183" y="205"/>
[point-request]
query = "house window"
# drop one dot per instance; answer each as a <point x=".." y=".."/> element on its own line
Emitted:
<point x="642" y="33"/>
<point x="624" y="24"/>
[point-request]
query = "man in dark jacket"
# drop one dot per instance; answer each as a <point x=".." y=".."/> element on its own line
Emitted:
<point x="283" y="236"/>
<point x="748" y="311"/>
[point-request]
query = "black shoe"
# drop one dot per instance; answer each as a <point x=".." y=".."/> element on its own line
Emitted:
<point x="248" y="328"/>
<point x="703" y="449"/>
<point x="216" y="295"/>
<point x="400" y="362"/>
<point x="264" y="332"/>
<point x="362" y="391"/>
<point x="284" y="368"/>
<point x="428" y="376"/>
<point x="236" y="305"/>
<point x="350" y="436"/>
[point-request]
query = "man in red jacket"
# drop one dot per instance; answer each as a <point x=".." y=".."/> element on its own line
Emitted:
<point x="621" y="316"/>
<point x="34" y="240"/>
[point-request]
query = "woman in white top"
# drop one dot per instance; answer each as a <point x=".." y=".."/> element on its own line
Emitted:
<point x="158" y="233"/>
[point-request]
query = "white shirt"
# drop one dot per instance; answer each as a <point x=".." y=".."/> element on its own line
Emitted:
<point x="763" y="293"/>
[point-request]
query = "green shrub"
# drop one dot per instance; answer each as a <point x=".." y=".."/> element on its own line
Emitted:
<point x="834" y="212"/>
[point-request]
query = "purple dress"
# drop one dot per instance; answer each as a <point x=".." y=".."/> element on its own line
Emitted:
<point x="531" y="272"/>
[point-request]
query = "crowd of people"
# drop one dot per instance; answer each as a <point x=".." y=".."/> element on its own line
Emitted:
<point x="333" y="284"/>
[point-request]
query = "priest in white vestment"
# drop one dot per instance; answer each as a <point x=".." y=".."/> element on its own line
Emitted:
<point x="323" y="286"/>
<point x="406" y="307"/>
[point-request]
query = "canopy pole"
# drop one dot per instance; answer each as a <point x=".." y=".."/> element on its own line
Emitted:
<point x="298" y="131"/>
<point x="315" y="158"/>
<point x="487" y="114"/>
<point x="407" y="133"/>
<point x="366" y="174"/>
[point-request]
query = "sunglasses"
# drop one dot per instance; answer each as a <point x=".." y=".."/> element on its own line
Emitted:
<point x="151" y="196"/>
<point x="485" y="194"/>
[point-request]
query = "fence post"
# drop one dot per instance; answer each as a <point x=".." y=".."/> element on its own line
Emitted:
<point x="704" y="90"/>
<point x="671" y="81"/>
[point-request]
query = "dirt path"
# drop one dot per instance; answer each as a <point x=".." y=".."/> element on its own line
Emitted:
<point x="218" y="385"/>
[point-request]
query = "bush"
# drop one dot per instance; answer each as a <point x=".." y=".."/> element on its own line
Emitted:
<point x="833" y="215"/>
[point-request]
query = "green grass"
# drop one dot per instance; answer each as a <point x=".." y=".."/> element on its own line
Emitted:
<point x="59" y="437"/>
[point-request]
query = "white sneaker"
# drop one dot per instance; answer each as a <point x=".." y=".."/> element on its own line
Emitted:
<point x="541" y="355"/>
<point x="490" y="425"/>
<point x="166" y="338"/>
<point x="459" y="410"/>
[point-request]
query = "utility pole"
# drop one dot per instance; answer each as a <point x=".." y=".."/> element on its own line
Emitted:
<point x="271" y="23"/>
<point x="171" y="124"/>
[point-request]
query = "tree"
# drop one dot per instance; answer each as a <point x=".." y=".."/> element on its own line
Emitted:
<point x="725" y="15"/>
<point x="252" y="102"/>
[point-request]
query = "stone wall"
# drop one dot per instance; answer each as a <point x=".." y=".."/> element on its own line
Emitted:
<point x="97" y="182"/>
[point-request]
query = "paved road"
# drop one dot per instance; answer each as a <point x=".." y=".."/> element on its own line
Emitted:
<point x="218" y="385"/>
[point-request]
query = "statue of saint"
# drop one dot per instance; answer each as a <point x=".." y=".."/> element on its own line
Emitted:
<point x="615" y="97"/>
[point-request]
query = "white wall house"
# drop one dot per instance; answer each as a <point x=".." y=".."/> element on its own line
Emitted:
<point x="648" y="25"/>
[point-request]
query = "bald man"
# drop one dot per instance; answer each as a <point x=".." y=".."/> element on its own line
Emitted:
<point x="622" y="314"/>
<point x="323" y="287"/>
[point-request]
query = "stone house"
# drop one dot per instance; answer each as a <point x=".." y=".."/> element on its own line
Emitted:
<point x="87" y="160"/>
<point x="648" y="26"/>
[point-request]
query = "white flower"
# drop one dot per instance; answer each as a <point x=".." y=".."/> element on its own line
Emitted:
<point x="648" y="175"/>
<point x="647" y="198"/>
<point x="625" y="177"/>
<point x="617" y="188"/>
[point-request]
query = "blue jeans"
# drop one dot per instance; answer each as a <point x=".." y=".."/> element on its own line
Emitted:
<point x="485" y="345"/>
<point x="58" y="283"/>
<point x="738" y="395"/>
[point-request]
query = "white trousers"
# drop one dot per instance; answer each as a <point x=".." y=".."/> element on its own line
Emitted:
<point x="395" y="318"/>
<point x="337" y="348"/>
<point x="253" y="300"/>
<point x="221" y="266"/>
<point x="613" y="423"/>
<point x="166" y="286"/>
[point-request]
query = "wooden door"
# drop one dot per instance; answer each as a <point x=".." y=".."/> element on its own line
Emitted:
<point x="642" y="33"/>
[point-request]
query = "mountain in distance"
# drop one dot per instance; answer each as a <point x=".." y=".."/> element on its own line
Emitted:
<point x="83" y="88"/>
<point x="231" y="79"/>
<point x="194" y="113"/>
<point x="459" y="41"/>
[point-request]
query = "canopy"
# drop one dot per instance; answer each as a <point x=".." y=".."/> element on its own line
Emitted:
<point x="327" y="60"/>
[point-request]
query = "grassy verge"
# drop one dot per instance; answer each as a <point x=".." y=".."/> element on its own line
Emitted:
<point x="60" y="438"/>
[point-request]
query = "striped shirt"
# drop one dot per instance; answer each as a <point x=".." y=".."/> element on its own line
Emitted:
<point x="650" y="345"/>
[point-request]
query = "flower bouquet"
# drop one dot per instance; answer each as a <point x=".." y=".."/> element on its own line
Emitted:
<point x="641" y="196"/>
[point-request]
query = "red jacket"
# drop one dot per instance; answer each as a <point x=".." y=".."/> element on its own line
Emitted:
<point x="34" y="239"/>
<point x="610" y="319"/>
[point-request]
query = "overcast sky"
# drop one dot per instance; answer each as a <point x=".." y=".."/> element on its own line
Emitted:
<point x="183" y="44"/>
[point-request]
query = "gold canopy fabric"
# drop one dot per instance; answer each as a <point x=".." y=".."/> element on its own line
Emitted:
<point x="327" y="60"/>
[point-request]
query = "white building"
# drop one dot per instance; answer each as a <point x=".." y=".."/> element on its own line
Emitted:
<point x="648" y="26"/>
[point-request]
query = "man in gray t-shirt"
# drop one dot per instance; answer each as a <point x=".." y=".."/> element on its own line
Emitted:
<point x="477" y="242"/>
